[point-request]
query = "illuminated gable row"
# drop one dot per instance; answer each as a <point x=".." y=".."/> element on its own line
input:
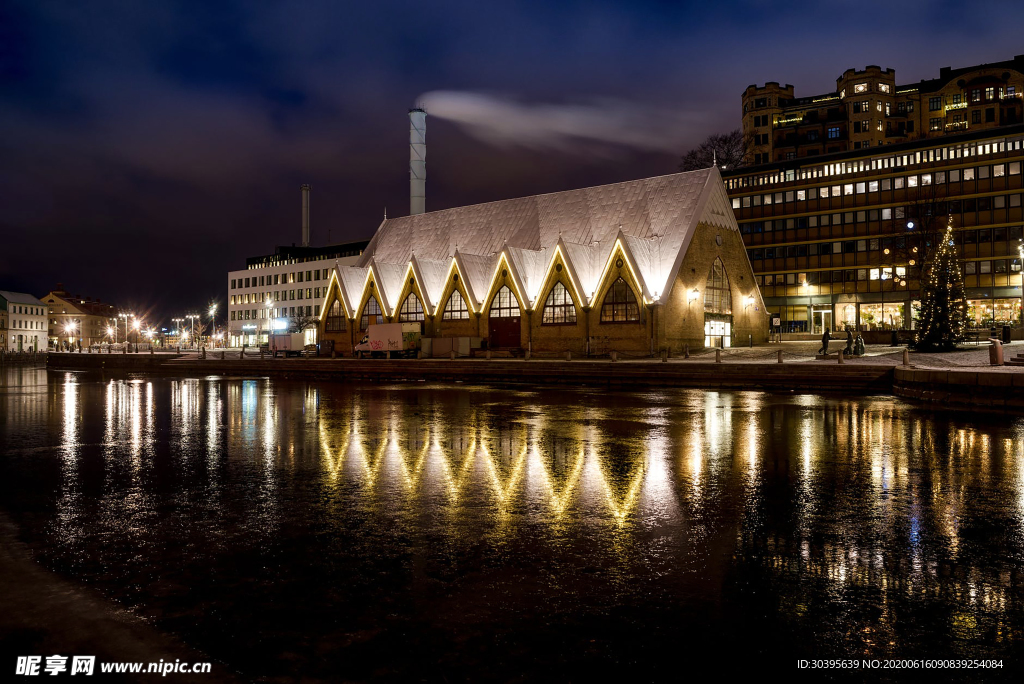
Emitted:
<point x="622" y="267"/>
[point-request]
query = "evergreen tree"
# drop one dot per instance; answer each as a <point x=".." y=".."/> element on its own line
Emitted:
<point x="943" y="315"/>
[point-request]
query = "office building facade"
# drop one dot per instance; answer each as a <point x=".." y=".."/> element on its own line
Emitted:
<point x="283" y="291"/>
<point x="838" y="240"/>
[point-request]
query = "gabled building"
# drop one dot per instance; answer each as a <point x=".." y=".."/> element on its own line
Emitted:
<point x="77" y="319"/>
<point x="634" y="267"/>
<point x="23" y="323"/>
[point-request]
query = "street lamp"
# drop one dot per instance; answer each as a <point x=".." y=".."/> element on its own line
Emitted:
<point x="213" y="320"/>
<point x="69" y="330"/>
<point x="177" y="328"/>
<point x="192" y="323"/>
<point x="125" y="315"/>
<point x="270" y="303"/>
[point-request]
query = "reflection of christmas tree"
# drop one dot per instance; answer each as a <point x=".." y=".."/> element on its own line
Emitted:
<point x="943" y="316"/>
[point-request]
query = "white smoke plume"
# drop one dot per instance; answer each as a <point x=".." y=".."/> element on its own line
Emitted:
<point x="505" y="122"/>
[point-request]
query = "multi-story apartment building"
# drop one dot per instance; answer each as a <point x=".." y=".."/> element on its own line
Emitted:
<point x="838" y="240"/>
<point x="283" y="291"/>
<point x="77" y="319"/>
<point x="868" y="109"/>
<point x="24" y="325"/>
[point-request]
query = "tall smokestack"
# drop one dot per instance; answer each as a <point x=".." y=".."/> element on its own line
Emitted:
<point x="417" y="161"/>
<point x="305" y="215"/>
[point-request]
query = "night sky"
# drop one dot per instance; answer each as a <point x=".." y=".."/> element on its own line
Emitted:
<point x="146" y="148"/>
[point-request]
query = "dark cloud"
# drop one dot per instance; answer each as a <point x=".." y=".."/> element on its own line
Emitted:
<point x="147" y="148"/>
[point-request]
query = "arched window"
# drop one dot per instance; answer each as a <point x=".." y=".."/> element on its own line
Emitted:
<point x="371" y="314"/>
<point x="620" y="305"/>
<point x="559" y="307"/>
<point x="411" y="309"/>
<point x="717" y="297"/>
<point x="455" y="309"/>
<point x="335" y="321"/>
<point x="504" y="304"/>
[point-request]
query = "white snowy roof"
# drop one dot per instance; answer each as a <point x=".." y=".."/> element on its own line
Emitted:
<point x="20" y="298"/>
<point x="652" y="218"/>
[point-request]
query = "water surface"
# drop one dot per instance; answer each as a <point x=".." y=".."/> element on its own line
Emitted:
<point x="424" y="532"/>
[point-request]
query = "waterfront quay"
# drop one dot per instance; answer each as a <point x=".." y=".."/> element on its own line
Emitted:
<point x="963" y="379"/>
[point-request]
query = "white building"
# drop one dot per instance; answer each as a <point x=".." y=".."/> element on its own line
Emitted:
<point x="283" y="291"/>
<point x="24" y="322"/>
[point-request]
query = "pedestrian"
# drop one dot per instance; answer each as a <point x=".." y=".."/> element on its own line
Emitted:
<point x="825" y="337"/>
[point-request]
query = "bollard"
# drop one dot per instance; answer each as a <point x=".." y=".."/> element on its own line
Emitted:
<point x="223" y="354"/>
<point x="780" y="356"/>
<point x="568" y="356"/>
<point x="906" y="357"/>
<point x="527" y="355"/>
<point x="840" y="356"/>
<point x="334" y="354"/>
<point x="261" y="353"/>
<point x="614" y="356"/>
<point x="202" y="353"/>
<point x="750" y="340"/>
<point x="664" y="355"/>
<point x="241" y="354"/>
<point x="451" y="355"/>
<point x="387" y="355"/>
<point x="108" y="349"/>
<point x="686" y="351"/>
<point x="488" y="354"/>
<point x="718" y="355"/>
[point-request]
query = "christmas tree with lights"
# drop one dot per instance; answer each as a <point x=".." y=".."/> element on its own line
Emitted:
<point x="943" y="313"/>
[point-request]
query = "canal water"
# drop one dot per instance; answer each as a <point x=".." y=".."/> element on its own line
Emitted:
<point x="444" y="533"/>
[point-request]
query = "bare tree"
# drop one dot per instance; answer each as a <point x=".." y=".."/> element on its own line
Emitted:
<point x="727" y="150"/>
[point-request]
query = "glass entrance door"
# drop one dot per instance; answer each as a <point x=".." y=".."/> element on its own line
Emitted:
<point x="822" y="318"/>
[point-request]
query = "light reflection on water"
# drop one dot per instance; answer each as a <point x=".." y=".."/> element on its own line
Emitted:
<point x="861" y="524"/>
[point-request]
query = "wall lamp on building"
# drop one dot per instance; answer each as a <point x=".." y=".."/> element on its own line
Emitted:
<point x="693" y="294"/>
<point x="748" y="302"/>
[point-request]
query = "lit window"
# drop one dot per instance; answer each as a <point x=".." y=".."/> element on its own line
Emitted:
<point x="620" y="304"/>
<point x="860" y="88"/>
<point x="455" y="309"/>
<point x="371" y="314"/>
<point x="335" y="321"/>
<point x="717" y="297"/>
<point x="504" y="304"/>
<point x="411" y="309"/>
<point x="559" y="307"/>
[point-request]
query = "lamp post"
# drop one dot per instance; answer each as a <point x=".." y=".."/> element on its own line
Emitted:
<point x="270" y="303"/>
<point x="69" y="330"/>
<point x="1020" y="253"/>
<point x="136" y="325"/>
<point x="213" y="322"/>
<point x="125" y="315"/>
<point x="192" y="324"/>
<point x="177" y="328"/>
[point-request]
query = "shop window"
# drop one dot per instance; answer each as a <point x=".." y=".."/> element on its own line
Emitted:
<point x="559" y="307"/>
<point x="620" y="304"/>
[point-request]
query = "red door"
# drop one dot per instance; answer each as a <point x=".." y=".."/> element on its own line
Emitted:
<point x="504" y="332"/>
